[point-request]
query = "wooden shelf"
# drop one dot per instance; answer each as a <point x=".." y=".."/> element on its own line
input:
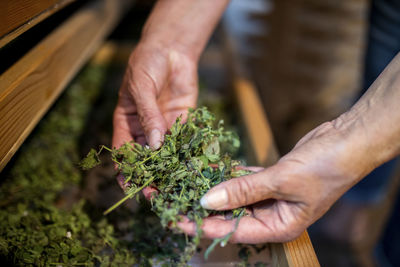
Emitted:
<point x="299" y="252"/>
<point x="18" y="16"/>
<point x="31" y="85"/>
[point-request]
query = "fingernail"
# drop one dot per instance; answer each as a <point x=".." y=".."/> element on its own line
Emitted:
<point x="155" y="139"/>
<point x="215" y="199"/>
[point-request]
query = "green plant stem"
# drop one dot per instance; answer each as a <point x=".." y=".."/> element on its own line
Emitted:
<point x="183" y="189"/>
<point x="204" y="178"/>
<point x="128" y="196"/>
<point x="140" y="163"/>
<point x="152" y="156"/>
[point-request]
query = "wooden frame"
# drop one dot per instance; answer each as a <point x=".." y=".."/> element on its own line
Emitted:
<point x="30" y="86"/>
<point x="18" y="16"/>
<point x="299" y="252"/>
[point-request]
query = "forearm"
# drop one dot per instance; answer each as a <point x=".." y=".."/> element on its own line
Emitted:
<point x="183" y="24"/>
<point x="373" y="123"/>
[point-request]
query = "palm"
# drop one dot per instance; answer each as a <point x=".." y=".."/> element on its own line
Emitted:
<point x="277" y="219"/>
<point x="288" y="196"/>
<point x="171" y="78"/>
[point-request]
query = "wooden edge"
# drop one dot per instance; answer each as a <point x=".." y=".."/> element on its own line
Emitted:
<point x="8" y="37"/>
<point x="32" y="84"/>
<point x="112" y="51"/>
<point x="299" y="252"/>
<point x="256" y="122"/>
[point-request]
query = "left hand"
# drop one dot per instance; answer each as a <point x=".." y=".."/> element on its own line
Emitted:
<point x="289" y="196"/>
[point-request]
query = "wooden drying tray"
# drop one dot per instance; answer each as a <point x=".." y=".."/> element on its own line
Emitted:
<point x="32" y="84"/>
<point x="297" y="253"/>
<point x="18" y="16"/>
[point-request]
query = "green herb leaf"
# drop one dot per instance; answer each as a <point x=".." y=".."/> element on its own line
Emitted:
<point x="90" y="161"/>
<point x="195" y="156"/>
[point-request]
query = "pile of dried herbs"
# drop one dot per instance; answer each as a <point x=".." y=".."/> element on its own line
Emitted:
<point x="46" y="216"/>
<point x="195" y="156"/>
<point x="37" y="226"/>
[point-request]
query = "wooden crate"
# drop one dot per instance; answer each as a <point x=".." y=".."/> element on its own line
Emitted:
<point x="32" y="84"/>
<point x="18" y="16"/>
<point x="299" y="252"/>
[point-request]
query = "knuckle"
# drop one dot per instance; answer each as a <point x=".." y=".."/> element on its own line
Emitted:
<point x="280" y="184"/>
<point x="147" y="115"/>
<point x="141" y="82"/>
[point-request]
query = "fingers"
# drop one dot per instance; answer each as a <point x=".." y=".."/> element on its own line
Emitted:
<point x="144" y="85"/>
<point x="250" y="168"/>
<point x="126" y="128"/>
<point x="151" y="119"/>
<point x="126" y="124"/>
<point x="250" y="230"/>
<point x="148" y="192"/>
<point x="239" y="192"/>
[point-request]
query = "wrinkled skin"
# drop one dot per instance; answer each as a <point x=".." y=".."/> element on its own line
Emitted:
<point x="288" y="196"/>
<point x="161" y="83"/>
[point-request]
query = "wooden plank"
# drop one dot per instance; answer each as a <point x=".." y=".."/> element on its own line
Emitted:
<point x="31" y="85"/>
<point x="299" y="252"/>
<point x="113" y="52"/>
<point x="17" y="16"/>
<point x="14" y="13"/>
<point x="256" y="122"/>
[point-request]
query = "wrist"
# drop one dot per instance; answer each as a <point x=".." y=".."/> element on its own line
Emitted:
<point x="168" y="44"/>
<point x="183" y="25"/>
<point x="363" y="151"/>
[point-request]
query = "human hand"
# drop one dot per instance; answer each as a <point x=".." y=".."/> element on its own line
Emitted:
<point x="289" y="196"/>
<point x="159" y="85"/>
<point x="160" y="82"/>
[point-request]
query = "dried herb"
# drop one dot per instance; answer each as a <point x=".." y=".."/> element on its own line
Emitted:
<point x="193" y="158"/>
<point x="225" y="239"/>
<point x="35" y="230"/>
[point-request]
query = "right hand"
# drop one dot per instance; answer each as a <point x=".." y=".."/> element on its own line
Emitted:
<point x="159" y="85"/>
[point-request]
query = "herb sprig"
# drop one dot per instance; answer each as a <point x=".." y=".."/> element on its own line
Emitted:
<point x="195" y="156"/>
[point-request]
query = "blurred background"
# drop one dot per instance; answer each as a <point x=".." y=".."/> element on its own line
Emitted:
<point x="311" y="60"/>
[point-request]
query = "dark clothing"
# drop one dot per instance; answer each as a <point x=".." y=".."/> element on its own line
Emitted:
<point x="383" y="45"/>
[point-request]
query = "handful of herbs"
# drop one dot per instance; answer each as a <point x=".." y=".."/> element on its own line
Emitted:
<point x="195" y="156"/>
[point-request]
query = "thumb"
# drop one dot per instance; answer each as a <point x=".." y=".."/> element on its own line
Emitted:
<point x="239" y="192"/>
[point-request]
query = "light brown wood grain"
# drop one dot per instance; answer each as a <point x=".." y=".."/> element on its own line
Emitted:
<point x="256" y="122"/>
<point x="31" y="85"/>
<point x="17" y="16"/>
<point x="299" y="252"/>
<point x="14" y="13"/>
